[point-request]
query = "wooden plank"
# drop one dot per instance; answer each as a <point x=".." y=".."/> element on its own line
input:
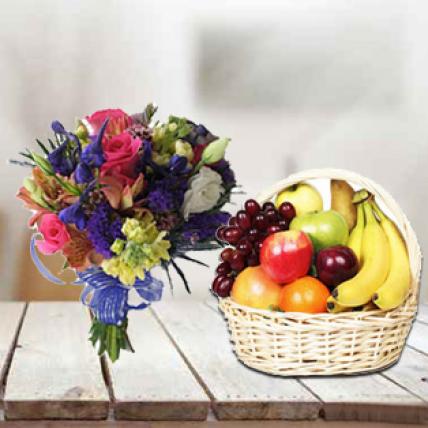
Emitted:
<point x="411" y="372"/>
<point x="155" y="382"/>
<point x="367" y="398"/>
<point x="55" y="372"/>
<point x="10" y="314"/>
<point x="237" y="391"/>
<point x="418" y="337"/>
<point x="423" y="313"/>
<point x="192" y="424"/>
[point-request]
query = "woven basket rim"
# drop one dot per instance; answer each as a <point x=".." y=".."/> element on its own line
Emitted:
<point x="403" y="224"/>
<point x="326" y="316"/>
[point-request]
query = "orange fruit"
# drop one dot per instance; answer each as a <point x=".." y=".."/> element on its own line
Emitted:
<point x="306" y="294"/>
<point x="252" y="287"/>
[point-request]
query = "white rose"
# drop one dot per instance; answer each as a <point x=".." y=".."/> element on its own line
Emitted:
<point x="204" y="192"/>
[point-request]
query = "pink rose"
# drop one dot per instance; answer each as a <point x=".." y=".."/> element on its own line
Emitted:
<point x="121" y="154"/>
<point x="118" y="121"/>
<point x="124" y="173"/>
<point x="120" y="148"/>
<point x="54" y="232"/>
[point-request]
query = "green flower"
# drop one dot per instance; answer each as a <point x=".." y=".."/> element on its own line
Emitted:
<point x="215" y="151"/>
<point x="165" y="135"/>
<point x="144" y="248"/>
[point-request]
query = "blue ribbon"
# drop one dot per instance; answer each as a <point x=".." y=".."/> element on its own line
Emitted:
<point x="40" y="266"/>
<point x="107" y="297"/>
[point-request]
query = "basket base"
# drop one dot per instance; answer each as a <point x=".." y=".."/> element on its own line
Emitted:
<point x="297" y="344"/>
<point x="313" y="372"/>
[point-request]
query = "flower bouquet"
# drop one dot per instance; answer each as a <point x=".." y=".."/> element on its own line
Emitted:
<point x="119" y="196"/>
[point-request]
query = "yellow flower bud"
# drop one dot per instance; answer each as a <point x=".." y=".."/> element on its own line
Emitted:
<point x="172" y="127"/>
<point x="81" y="131"/>
<point x="118" y="246"/>
<point x="183" y="148"/>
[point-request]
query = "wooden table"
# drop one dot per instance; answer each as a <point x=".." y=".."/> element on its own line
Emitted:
<point x="184" y="370"/>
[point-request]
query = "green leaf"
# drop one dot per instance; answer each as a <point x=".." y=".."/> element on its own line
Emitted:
<point x="42" y="146"/>
<point x="148" y="113"/>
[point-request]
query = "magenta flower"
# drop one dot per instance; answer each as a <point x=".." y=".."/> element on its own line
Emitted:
<point x="121" y="155"/>
<point x="118" y="121"/>
<point x="55" y="234"/>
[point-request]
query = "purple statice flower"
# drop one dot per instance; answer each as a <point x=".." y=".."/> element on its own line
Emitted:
<point x="103" y="229"/>
<point x="167" y="194"/>
<point x="226" y="172"/>
<point x="203" y="226"/>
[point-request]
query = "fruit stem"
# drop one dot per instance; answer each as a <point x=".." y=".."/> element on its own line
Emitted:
<point x="370" y="218"/>
<point x="360" y="215"/>
<point x="330" y="305"/>
<point x="378" y="211"/>
<point x="361" y="196"/>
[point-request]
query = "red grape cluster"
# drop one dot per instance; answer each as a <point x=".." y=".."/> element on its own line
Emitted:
<point x="245" y="233"/>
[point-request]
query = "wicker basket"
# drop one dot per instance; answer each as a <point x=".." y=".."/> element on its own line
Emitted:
<point x="291" y="343"/>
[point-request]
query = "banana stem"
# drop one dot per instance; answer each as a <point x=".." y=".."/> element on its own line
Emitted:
<point x="370" y="218"/>
<point x="378" y="211"/>
<point x="360" y="215"/>
<point x="361" y="196"/>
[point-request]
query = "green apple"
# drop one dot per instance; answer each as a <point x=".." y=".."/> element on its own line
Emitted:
<point x="304" y="197"/>
<point x="325" y="228"/>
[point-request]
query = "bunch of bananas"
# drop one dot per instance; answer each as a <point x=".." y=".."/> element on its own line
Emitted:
<point x="384" y="277"/>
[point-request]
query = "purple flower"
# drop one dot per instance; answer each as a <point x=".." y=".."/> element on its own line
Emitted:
<point x="167" y="194"/>
<point x="83" y="173"/>
<point x="227" y="174"/>
<point x="61" y="160"/>
<point x="58" y="127"/>
<point x="93" y="154"/>
<point x="103" y="228"/>
<point x="199" y="135"/>
<point x="74" y="214"/>
<point x="203" y="226"/>
<point x="65" y="157"/>
<point x="91" y="157"/>
<point x="178" y="165"/>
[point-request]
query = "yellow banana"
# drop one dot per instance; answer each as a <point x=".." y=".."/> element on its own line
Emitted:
<point x="356" y="237"/>
<point x="375" y="254"/>
<point x="394" y="290"/>
<point x="334" y="308"/>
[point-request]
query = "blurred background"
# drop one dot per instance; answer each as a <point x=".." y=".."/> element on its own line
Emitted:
<point x="295" y="84"/>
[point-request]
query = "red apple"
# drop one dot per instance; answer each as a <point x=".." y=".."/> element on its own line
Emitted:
<point x="286" y="256"/>
<point x="336" y="264"/>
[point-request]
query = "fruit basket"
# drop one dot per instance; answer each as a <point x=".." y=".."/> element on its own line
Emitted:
<point x="295" y="343"/>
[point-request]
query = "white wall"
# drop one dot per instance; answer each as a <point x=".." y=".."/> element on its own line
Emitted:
<point x="295" y="84"/>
